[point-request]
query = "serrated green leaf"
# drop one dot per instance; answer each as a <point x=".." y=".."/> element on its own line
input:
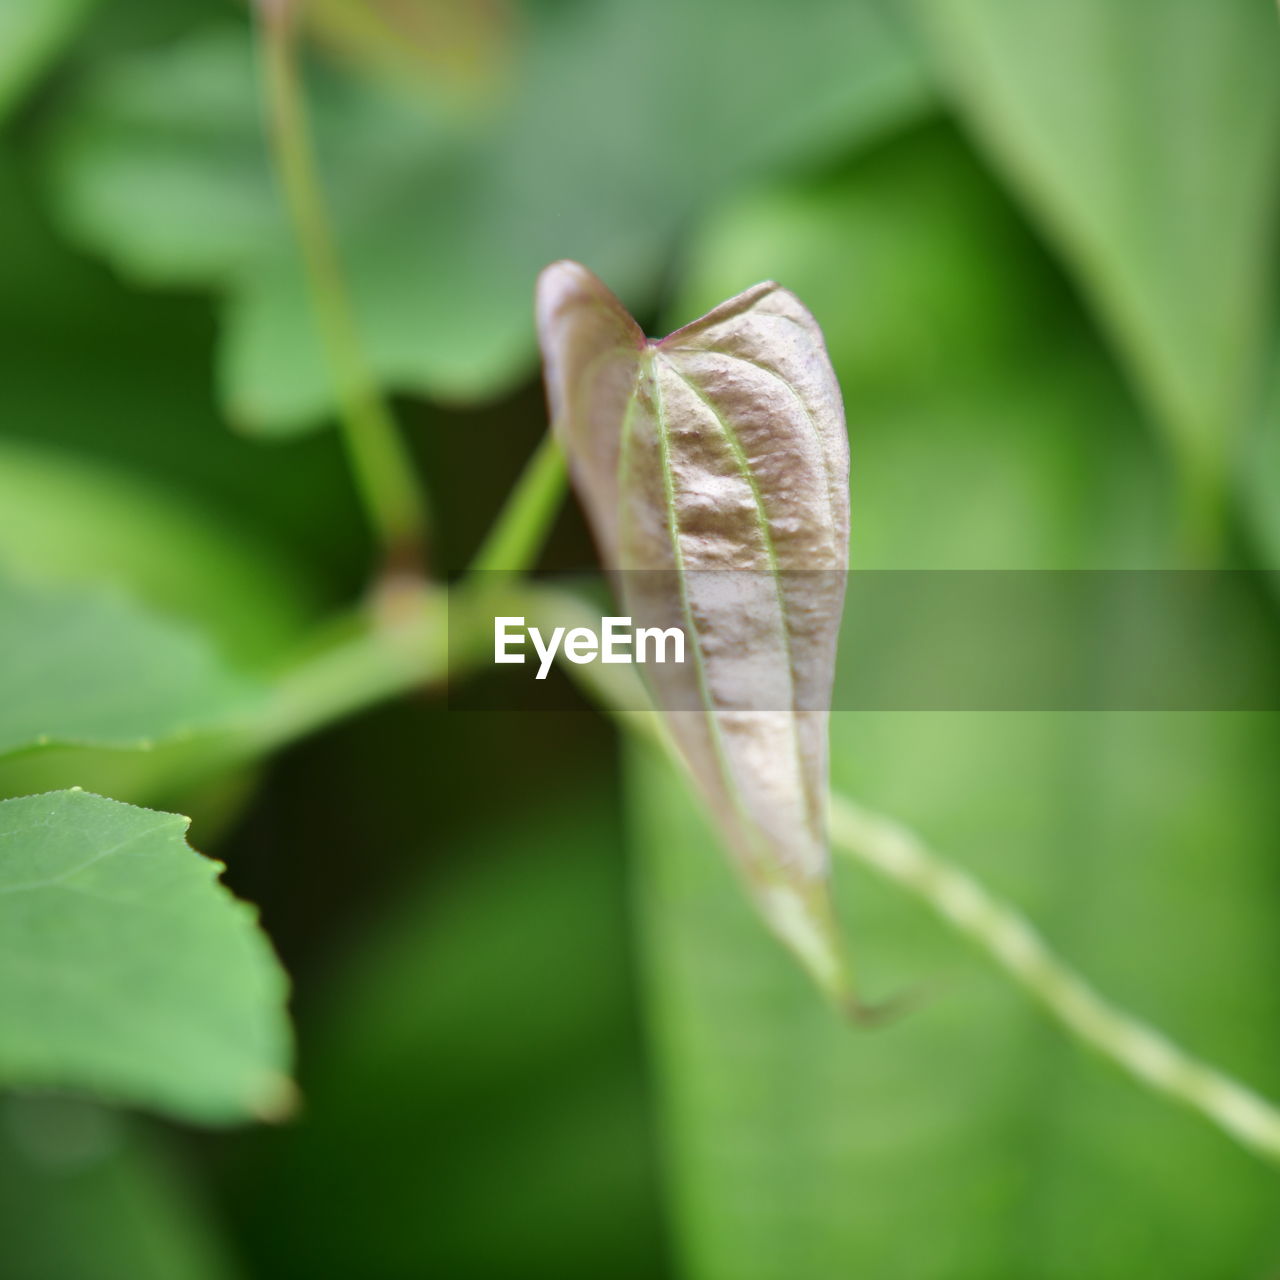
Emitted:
<point x="989" y="432"/>
<point x="127" y="971"/>
<point x="1146" y="138"/>
<point x="444" y="218"/>
<point x="82" y="666"/>
<point x="31" y="36"/>
<point x="713" y="465"/>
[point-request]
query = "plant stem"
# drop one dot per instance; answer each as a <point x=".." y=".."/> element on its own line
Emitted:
<point x="1002" y="932"/>
<point x="517" y="536"/>
<point x="377" y="660"/>
<point x="1008" y="938"/>
<point x="381" y="465"/>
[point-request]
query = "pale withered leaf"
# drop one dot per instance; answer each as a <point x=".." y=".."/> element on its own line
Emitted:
<point x="714" y="468"/>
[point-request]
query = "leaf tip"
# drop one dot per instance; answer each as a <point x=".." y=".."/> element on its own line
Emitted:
<point x="566" y="284"/>
<point x="559" y="278"/>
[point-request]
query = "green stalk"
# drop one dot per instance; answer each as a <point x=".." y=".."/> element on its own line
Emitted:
<point x="1010" y="940"/>
<point x="897" y="854"/>
<point x="379" y="461"/>
<point x="375" y="659"/>
<point x="517" y="537"/>
<point x="408" y="651"/>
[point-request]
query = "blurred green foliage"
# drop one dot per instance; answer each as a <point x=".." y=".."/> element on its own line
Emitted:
<point x="83" y="1194"/>
<point x="516" y="970"/>
<point x="31" y="36"/>
<point x="1041" y="246"/>
<point x="1145" y="844"/>
<point x="1146" y="137"/>
<point x="130" y="681"/>
<point x="617" y="124"/>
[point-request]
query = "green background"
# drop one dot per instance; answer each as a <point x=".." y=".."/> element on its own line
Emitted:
<point x="540" y="1031"/>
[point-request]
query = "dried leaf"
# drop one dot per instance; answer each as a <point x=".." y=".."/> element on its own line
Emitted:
<point x="714" y="468"/>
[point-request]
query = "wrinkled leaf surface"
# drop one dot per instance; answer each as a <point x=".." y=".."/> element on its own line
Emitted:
<point x="714" y="468"/>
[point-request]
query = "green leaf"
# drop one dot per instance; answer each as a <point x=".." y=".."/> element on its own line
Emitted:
<point x="83" y="666"/>
<point x="177" y="570"/>
<point x="73" y="519"/>
<point x="31" y="37"/>
<point x="1146" y="138"/>
<point x="969" y="1137"/>
<point x="127" y="971"/>
<point x="434" y="45"/>
<point x="741" y="405"/>
<point x="444" y="217"/>
<point x="141" y="400"/>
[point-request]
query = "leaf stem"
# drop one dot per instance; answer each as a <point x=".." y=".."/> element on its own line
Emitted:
<point x="1001" y="931"/>
<point x="1009" y="939"/>
<point x="514" y="542"/>
<point x="379" y="461"/>
<point x="374" y="659"/>
<point x="377" y="662"/>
